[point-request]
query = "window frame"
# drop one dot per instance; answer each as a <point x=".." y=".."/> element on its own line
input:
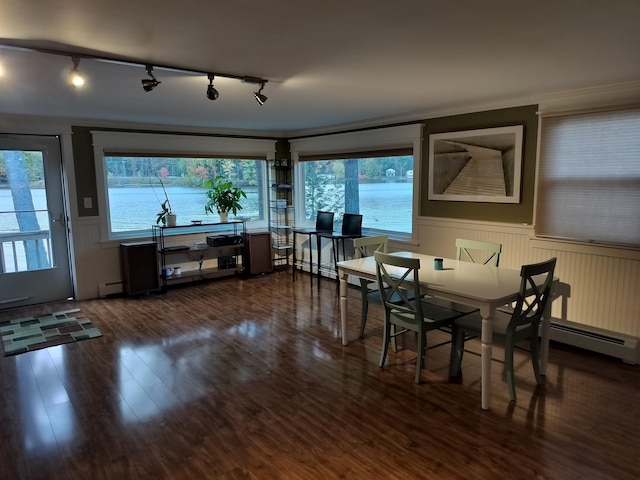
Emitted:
<point x="107" y="143"/>
<point x="360" y="142"/>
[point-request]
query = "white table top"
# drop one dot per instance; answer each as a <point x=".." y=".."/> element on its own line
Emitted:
<point x="476" y="283"/>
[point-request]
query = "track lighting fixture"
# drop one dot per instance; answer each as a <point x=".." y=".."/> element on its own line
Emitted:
<point x="75" y="77"/>
<point x="260" y="97"/>
<point x="212" y="93"/>
<point x="150" y="83"/>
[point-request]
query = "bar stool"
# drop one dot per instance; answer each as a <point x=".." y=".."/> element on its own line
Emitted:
<point x="351" y="228"/>
<point x="324" y="224"/>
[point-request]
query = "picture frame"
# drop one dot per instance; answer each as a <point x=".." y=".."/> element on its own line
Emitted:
<point x="483" y="165"/>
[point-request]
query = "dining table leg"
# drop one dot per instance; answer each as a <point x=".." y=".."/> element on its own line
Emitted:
<point x="343" y="305"/>
<point x="486" y="352"/>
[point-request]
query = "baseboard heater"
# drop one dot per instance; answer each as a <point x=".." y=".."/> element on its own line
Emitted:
<point x="624" y="347"/>
<point x="109" y="288"/>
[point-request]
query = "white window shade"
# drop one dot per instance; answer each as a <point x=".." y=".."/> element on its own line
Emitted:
<point x="589" y="177"/>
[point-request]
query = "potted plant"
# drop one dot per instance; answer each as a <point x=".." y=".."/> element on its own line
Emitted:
<point x="223" y="197"/>
<point x="165" y="215"/>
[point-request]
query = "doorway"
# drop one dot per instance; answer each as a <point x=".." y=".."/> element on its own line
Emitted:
<point x="34" y="246"/>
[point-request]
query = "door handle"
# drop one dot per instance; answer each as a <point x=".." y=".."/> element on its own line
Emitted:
<point x="60" y="219"/>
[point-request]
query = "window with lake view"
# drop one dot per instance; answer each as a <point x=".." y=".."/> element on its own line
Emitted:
<point x="378" y="187"/>
<point x="135" y="189"/>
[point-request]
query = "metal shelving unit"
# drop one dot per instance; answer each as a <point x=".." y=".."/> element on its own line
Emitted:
<point x="281" y="212"/>
<point x="188" y="253"/>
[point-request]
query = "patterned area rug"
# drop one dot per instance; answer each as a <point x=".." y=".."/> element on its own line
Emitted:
<point x="27" y="334"/>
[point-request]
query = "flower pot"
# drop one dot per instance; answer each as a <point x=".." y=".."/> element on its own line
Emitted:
<point x="171" y="220"/>
<point x="224" y="217"/>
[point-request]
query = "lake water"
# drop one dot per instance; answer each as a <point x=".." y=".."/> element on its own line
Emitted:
<point x="385" y="206"/>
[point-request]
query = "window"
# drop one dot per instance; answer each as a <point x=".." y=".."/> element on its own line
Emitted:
<point x="379" y="188"/>
<point x="136" y="188"/>
<point x="370" y="172"/>
<point x="133" y="168"/>
<point x="589" y="178"/>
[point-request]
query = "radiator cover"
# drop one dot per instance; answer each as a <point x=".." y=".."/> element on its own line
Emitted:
<point x="624" y="347"/>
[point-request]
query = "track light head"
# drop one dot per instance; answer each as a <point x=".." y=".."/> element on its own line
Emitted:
<point x="150" y="83"/>
<point x="212" y="93"/>
<point x="260" y="97"/>
<point x="75" y="77"/>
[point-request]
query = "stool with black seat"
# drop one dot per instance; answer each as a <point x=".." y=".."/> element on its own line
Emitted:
<point x="324" y="224"/>
<point x="351" y="228"/>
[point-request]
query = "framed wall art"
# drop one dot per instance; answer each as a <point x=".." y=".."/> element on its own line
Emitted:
<point x="481" y="165"/>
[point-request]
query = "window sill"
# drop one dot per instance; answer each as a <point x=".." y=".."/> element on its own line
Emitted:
<point x="575" y="246"/>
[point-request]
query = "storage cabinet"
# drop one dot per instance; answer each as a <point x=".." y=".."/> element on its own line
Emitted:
<point x="281" y="212"/>
<point x="258" y="252"/>
<point x="139" y="264"/>
<point x="195" y="252"/>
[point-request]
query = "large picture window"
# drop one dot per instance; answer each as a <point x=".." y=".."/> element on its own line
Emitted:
<point x="378" y="187"/>
<point x="135" y="169"/>
<point x="136" y="188"/>
<point x="373" y="172"/>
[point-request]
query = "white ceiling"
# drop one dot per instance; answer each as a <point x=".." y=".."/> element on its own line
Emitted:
<point x="329" y="64"/>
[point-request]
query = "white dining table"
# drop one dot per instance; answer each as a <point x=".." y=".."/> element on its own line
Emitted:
<point x="481" y="286"/>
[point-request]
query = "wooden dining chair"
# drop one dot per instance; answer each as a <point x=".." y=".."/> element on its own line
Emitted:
<point x="473" y="251"/>
<point x="364" y="247"/>
<point x="509" y="328"/>
<point x="397" y="278"/>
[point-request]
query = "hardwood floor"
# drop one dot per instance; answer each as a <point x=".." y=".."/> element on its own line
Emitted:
<point x="247" y="379"/>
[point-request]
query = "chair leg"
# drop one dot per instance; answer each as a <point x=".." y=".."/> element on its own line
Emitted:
<point x="422" y="344"/>
<point x="365" y="310"/>
<point x="535" y="360"/>
<point x="319" y="253"/>
<point x="386" y="337"/>
<point x="508" y="368"/>
<point x="394" y="341"/>
<point x="335" y="245"/>
<point x="457" y="349"/>
<point x="293" y="260"/>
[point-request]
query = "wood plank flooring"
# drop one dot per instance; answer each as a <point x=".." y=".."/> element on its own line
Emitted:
<point x="247" y="379"/>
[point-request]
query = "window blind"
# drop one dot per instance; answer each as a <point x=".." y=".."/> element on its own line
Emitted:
<point x="390" y="152"/>
<point x="589" y="177"/>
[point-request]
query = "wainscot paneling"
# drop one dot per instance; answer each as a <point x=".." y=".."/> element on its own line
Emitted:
<point x="96" y="262"/>
<point x="600" y="284"/>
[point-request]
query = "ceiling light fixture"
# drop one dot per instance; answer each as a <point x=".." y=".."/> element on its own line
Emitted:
<point x="75" y="77"/>
<point x="150" y="83"/>
<point x="212" y="93"/>
<point x="260" y="97"/>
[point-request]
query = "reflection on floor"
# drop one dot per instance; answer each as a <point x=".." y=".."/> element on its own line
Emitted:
<point x="248" y="379"/>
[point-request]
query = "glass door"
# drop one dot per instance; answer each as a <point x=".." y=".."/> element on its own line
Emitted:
<point x="34" y="255"/>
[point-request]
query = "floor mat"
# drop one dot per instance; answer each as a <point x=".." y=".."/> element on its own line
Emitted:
<point x="33" y="333"/>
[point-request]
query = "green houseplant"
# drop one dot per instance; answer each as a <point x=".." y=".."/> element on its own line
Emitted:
<point x="223" y="197"/>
